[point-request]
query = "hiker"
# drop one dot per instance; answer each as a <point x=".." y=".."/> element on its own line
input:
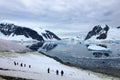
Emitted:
<point x="89" y="73"/>
<point x="62" y="72"/>
<point x="48" y="70"/>
<point x="15" y="63"/>
<point x="24" y="65"/>
<point x="57" y="72"/>
<point x="29" y="66"/>
<point x="21" y="64"/>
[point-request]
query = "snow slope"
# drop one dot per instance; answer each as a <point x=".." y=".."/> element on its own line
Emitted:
<point x="113" y="34"/>
<point x="6" y="46"/>
<point x="39" y="65"/>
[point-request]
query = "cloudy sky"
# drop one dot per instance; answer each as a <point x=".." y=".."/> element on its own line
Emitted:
<point x="71" y="15"/>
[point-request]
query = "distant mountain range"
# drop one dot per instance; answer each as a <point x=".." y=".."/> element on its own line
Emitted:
<point x="103" y="33"/>
<point x="14" y="32"/>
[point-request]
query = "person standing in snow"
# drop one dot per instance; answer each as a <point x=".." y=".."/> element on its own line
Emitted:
<point x="29" y="66"/>
<point x="62" y="72"/>
<point x="21" y="65"/>
<point x="48" y="70"/>
<point x="57" y="72"/>
<point x="15" y="63"/>
<point x="24" y="65"/>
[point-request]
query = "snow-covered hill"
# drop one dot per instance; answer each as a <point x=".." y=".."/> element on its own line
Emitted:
<point x="14" y="32"/>
<point x="101" y="34"/>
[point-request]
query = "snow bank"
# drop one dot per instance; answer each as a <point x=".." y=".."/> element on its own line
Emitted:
<point x="6" y="46"/>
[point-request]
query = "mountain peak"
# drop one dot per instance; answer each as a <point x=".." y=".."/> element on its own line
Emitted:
<point x="99" y="32"/>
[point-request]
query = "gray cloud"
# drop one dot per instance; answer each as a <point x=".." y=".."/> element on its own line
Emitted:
<point x="76" y="11"/>
<point x="65" y="12"/>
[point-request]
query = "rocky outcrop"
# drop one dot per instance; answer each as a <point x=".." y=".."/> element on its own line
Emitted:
<point x="99" y="32"/>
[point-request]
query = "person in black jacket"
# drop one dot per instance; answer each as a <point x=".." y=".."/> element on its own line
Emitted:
<point x="62" y="72"/>
<point x="57" y="72"/>
<point x="48" y="70"/>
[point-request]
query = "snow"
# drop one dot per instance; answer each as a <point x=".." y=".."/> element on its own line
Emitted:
<point x="113" y="34"/>
<point x="39" y="30"/>
<point x="39" y="65"/>
<point x="12" y="47"/>
<point x="98" y="48"/>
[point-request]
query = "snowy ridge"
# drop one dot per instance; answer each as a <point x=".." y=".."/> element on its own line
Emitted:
<point x="100" y="34"/>
<point x="45" y="34"/>
<point x="14" y="32"/>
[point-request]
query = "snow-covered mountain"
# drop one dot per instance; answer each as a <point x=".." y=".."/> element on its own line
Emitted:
<point x="103" y="33"/>
<point x="14" y="32"/>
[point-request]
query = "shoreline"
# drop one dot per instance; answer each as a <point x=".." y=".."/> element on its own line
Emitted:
<point x="11" y="78"/>
<point x="114" y="72"/>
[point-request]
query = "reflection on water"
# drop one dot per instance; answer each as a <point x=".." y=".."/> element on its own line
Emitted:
<point x="69" y="50"/>
<point x="36" y="46"/>
<point x="101" y="54"/>
<point x="103" y="45"/>
<point x="43" y="46"/>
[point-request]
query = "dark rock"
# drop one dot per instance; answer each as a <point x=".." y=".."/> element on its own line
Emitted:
<point x="118" y="27"/>
<point x="97" y="29"/>
<point x="51" y="35"/>
<point x="102" y="45"/>
<point x="102" y="36"/>
<point x="106" y="28"/>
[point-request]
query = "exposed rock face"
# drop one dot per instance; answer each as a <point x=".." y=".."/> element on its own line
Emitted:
<point x="50" y="35"/>
<point x="99" y="32"/>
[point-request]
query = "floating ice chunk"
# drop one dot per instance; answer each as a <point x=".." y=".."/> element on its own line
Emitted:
<point x="98" y="48"/>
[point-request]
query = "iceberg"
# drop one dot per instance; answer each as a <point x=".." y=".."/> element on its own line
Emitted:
<point x="94" y="47"/>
